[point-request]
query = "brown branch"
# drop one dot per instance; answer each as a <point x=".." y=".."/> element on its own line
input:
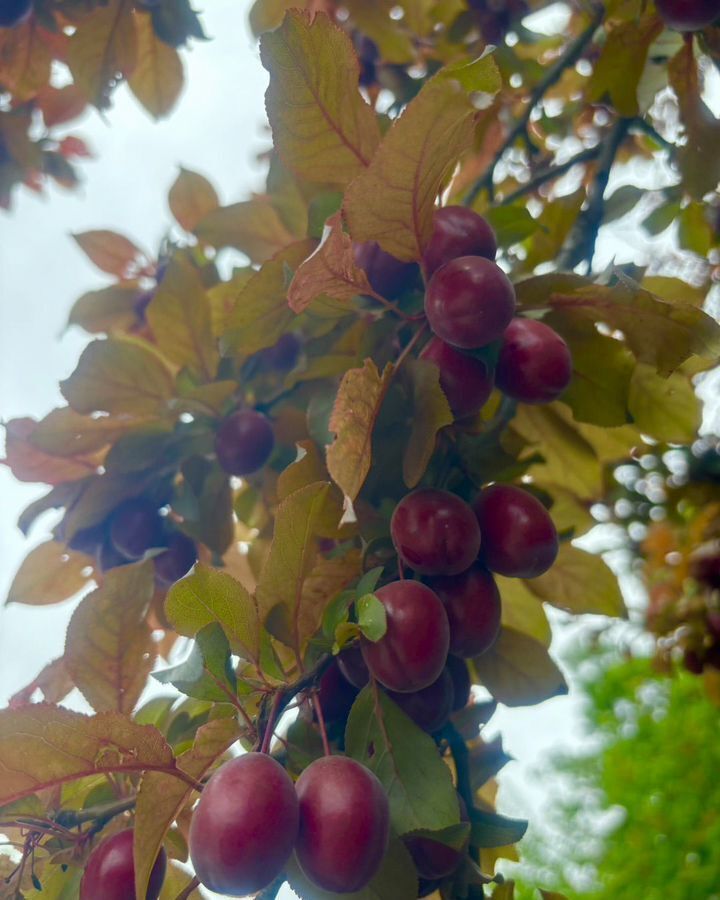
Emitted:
<point x="551" y="173"/>
<point x="571" y="55"/>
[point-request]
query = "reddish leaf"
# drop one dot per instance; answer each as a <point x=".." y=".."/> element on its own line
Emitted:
<point x="191" y="198"/>
<point x="60" y="105"/>
<point x="253" y="227"/>
<point x="111" y="252"/>
<point x="28" y="463"/>
<point x="54" y="682"/>
<point x="49" y="574"/>
<point x="331" y="270"/>
<point x="24" y="60"/>
<point x="157" y="78"/>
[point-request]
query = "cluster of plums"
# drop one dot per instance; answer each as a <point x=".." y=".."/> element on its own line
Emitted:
<point x="135" y="527"/>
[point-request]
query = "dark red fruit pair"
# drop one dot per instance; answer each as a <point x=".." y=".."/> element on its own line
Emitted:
<point x="435" y="532"/>
<point x="244" y="442"/>
<point x="519" y="539"/>
<point x="535" y="365"/>
<point x="688" y="15"/>
<point x="14" y="12"/>
<point x="110" y="871"/>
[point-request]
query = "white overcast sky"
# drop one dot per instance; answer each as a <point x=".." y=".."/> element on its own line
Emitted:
<point x="218" y="128"/>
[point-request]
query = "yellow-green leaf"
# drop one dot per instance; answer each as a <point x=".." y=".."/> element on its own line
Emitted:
<point x="119" y="376"/>
<point x="666" y="409"/>
<point x="356" y="408"/>
<point x="518" y="670"/>
<point x="331" y="270"/>
<point x="392" y="201"/>
<point x="210" y="595"/>
<point x="322" y="126"/>
<point x="579" y="582"/>
<point x="261" y="314"/>
<point x="105" y="45"/>
<point x="63" y="432"/>
<point x="108" y="309"/>
<point x="25" y="59"/>
<point x="191" y="198"/>
<point x="49" y="574"/>
<point x="522" y="611"/>
<point x="42" y="746"/>
<point x="431" y="413"/>
<point x="180" y="317"/>
<point x="109" y="650"/>
<point x="161" y="797"/>
<point x="293" y="554"/>
<point x="252" y="226"/>
<point x="157" y="78"/>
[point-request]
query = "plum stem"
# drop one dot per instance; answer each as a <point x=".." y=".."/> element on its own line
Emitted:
<point x="189" y="888"/>
<point x="270" y="727"/>
<point x="321" y="722"/>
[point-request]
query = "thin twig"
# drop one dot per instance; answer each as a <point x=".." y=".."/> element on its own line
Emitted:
<point x="188" y="889"/>
<point x="409" y="346"/>
<point x="321" y="722"/>
<point x="571" y="55"/>
<point x="551" y="174"/>
<point x="272" y="719"/>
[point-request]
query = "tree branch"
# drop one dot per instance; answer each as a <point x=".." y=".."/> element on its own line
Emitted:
<point x="552" y="173"/>
<point x="571" y="55"/>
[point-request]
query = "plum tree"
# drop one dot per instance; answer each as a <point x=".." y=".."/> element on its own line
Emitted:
<point x="467" y="381"/>
<point x="135" y="527"/>
<point x="519" y="538"/>
<point x="344" y="824"/>
<point x="244" y="442"/>
<point x="245" y="825"/>
<point x="110" y="871"/>
<point x="473" y="607"/>
<point x="430" y="707"/>
<point x="412" y="652"/>
<point x="534" y="365"/>
<point x="458" y="231"/>
<point x="469" y="302"/>
<point x="435" y="532"/>
<point x="688" y="15"/>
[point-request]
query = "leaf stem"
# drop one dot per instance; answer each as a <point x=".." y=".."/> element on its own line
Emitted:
<point x="410" y="345"/>
<point x="571" y="55"/>
<point x="272" y="719"/>
<point x="321" y="722"/>
<point x="188" y="889"/>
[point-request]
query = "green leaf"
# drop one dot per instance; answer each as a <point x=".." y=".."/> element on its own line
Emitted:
<point x="521" y="610"/>
<point x="369" y="581"/>
<point x="395" y="880"/>
<point x="621" y="202"/>
<point x="488" y="829"/>
<point x="209" y="596"/>
<point x="109" y="650"/>
<point x="354" y="413"/>
<point x="666" y="409"/>
<point x="518" y="671"/>
<point x="261" y="314"/>
<point x="372" y="617"/>
<point x="119" y="376"/>
<point x="179" y="315"/>
<point x="207" y="674"/>
<point x="392" y="202"/>
<point x="322" y="127"/>
<point x="405" y="759"/>
<point x="579" y="582"/>
<point x="431" y="413"/>
<point x="511" y="224"/>
<point x="694" y="230"/>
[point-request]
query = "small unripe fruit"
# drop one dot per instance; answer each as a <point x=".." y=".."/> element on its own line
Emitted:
<point x="469" y="302"/>
<point x="110" y="871"/>
<point x="387" y="275"/>
<point x="412" y="652"/>
<point x="429" y="708"/>
<point x="458" y="231"/>
<point x="467" y="382"/>
<point x="174" y="563"/>
<point x="344" y="824"/>
<point x="135" y="527"/>
<point x="14" y="12"/>
<point x="245" y="825"/>
<point x="472" y="604"/>
<point x="535" y="365"/>
<point x="435" y="532"/>
<point x="688" y="15"/>
<point x="519" y="538"/>
<point x="244" y="442"/>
